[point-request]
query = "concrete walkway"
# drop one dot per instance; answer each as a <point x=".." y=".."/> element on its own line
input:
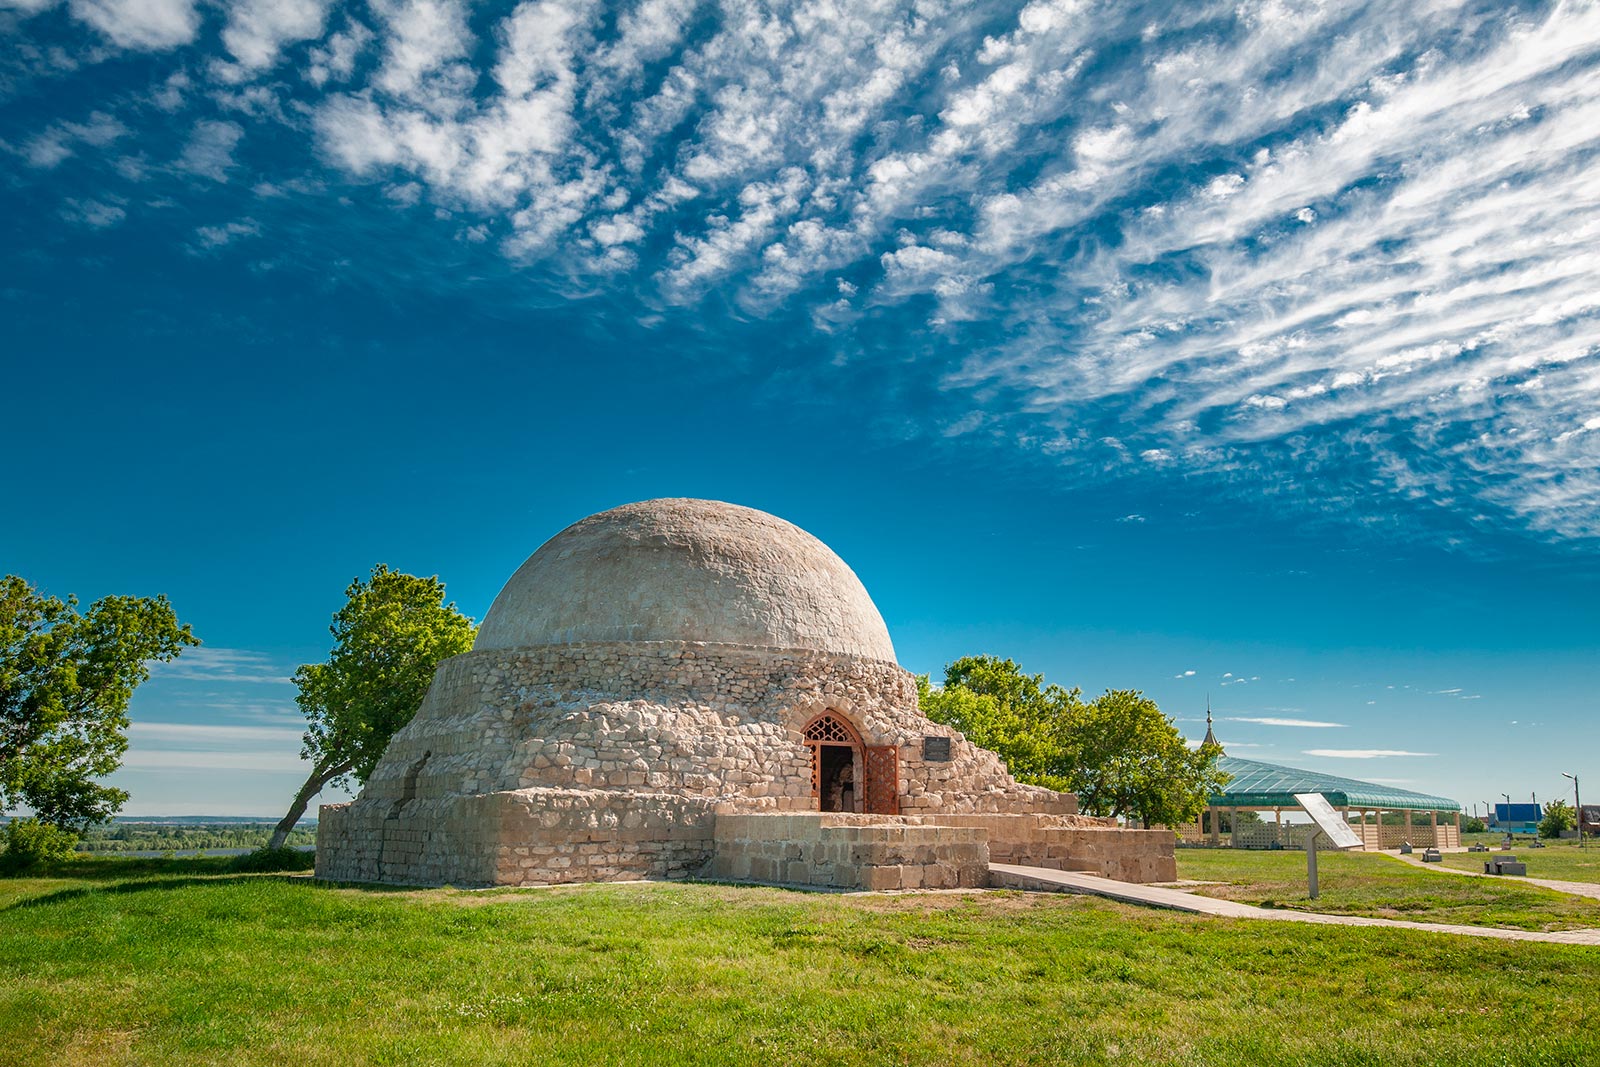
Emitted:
<point x="1578" y="889"/>
<point x="1039" y="878"/>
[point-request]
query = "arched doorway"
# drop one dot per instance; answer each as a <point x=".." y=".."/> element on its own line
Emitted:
<point x="835" y="762"/>
<point x="847" y="774"/>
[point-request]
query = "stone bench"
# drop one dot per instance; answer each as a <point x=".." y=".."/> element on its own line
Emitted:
<point x="1504" y="865"/>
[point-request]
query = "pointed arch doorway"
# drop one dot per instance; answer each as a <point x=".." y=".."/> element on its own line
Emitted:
<point x="848" y="775"/>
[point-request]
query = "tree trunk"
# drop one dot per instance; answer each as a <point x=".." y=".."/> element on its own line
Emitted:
<point x="320" y="776"/>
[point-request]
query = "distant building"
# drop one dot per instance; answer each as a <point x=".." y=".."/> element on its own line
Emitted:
<point x="1591" y="819"/>
<point x="1518" y="818"/>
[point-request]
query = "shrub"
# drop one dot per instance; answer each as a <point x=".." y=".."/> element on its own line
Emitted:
<point x="31" y="843"/>
<point x="1558" y="816"/>
<point x="267" y="860"/>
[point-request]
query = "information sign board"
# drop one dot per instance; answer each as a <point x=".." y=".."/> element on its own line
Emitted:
<point x="1328" y="820"/>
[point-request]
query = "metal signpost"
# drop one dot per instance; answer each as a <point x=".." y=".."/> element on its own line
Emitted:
<point x="1328" y="822"/>
<point x="1577" y="802"/>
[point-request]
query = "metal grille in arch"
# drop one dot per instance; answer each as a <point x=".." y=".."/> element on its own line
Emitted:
<point x="829" y="729"/>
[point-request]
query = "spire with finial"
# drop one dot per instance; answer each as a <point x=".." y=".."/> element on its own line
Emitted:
<point x="1211" y="738"/>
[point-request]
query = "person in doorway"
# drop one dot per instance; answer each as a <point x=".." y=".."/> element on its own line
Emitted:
<point x="842" y="795"/>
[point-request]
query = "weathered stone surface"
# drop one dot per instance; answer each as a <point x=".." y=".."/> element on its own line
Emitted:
<point x="696" y="570"/>
<point x="563" y="759"/>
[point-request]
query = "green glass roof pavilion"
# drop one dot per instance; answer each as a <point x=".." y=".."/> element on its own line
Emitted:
<point x="1256" y="786"/>
<point x="1267" y="785"/>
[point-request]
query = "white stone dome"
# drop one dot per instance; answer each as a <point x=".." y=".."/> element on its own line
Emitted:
<point x="687" y="570"/>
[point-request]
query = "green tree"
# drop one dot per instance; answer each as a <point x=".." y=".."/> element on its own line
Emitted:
<point x="392" y="633"/>
<point x="1129" y="759"/>
<point x="1119" y="753"/>
<point x="998" y="707"/>
<point x="65" y="683"/>
<point x="1559" y="816"/>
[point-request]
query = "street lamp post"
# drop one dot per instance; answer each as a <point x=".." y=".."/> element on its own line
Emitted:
<point x="1577" y="804"/>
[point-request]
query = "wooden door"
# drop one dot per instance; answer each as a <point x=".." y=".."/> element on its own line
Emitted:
<point x="883" y="779"/>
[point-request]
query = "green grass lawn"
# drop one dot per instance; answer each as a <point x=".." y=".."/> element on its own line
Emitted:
<point x="1562" y="860"/>
<point x="1357" y="883"/>
<point x="175" y="962"/>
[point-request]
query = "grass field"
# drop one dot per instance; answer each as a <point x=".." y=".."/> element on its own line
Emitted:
<point x="1562" y="860"/>
<point x="1366" y="883"/>
<point x="174" y="962"/>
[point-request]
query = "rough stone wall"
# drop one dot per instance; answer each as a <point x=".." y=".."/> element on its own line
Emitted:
<point x="1075" y="843"/>
<point x="586" y="762"/>
<point x="714" y="721"/>
<point x="849" y="852"/>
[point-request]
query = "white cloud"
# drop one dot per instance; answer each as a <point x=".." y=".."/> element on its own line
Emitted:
<point x="209" y="238"/>
<point x="209" y="663"/>
<point x="229" y="737"/>
<point x="1312" y="724"/>
<point x="1312" y="244"/>
<point x="336" y="60"/>
<point x="1363" y="753"/>
<point x="141" y="24"/>
<point x="209" y="152"/>
<point x="155" y="759"/>
<point x="94" y="214"/>
<point x="257" y="30"/>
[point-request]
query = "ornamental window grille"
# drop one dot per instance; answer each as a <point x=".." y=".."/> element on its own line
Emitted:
<point x="829" y="730"/>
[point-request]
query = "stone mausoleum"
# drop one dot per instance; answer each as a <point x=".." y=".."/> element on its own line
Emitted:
<point x="686" y="688"/>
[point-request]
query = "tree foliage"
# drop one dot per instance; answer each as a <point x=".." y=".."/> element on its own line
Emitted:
<point x="1000" y="708"/>
<point x="1559" y="816"/>
<point x="392" y="633"/>
<point x="1118" y="752"/>
<point x="65" y="683"/>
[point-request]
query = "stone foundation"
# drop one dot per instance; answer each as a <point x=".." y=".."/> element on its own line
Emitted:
<point x="849" y="852"/>
<point x="547" y="837"/>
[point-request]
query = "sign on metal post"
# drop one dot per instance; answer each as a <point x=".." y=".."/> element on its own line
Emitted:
<point x="1328" y="822"/>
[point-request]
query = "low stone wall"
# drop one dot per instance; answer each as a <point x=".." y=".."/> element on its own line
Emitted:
<point x="445" y="841"/>
<point x="520" y="837"/>
<point x="1075" y="843"/>
<point x="849" y="852"/>
<point x="930" y="852"/>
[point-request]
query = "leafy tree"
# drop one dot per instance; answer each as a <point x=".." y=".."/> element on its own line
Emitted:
<point x="1129" y="759"/>
<point x="389" y="637"/>
<point x="1558" y="817"/>
<point x="1117" y="752"/>
<point x="1010" y="713"/>
<point x="65" y="683"/>
<point x="1473" y="825"/>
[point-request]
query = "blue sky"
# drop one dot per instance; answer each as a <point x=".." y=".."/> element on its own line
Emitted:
<point x="1249" y="349"/>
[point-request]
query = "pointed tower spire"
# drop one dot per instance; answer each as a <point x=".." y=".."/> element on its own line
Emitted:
<point x="1211" y="738"/>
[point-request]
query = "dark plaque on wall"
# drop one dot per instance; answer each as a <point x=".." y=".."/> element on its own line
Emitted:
<point x="936" y="749"/>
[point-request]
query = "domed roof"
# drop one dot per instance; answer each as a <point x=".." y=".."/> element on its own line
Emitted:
<point x="686" y="570"/>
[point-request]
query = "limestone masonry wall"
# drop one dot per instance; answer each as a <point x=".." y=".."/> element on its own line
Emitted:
<point x="849" y="852"/>
<point x="632" y="760"/>
<point x="714" y="721"/>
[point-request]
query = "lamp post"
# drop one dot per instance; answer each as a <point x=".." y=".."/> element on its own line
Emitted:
<point x="1577" y="804"/>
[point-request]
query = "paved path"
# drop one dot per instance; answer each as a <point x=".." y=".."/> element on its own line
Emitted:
<point x="1015" y="877"/>
<point x="1581" y="889"/>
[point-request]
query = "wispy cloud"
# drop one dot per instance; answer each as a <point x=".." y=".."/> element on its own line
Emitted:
<point x="1363" y="753"/>
<point x="1313" y="724"/>
<point x="1345" y="250"/>
<point x="208" y="734"/>
<point x="207" y="663"/>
